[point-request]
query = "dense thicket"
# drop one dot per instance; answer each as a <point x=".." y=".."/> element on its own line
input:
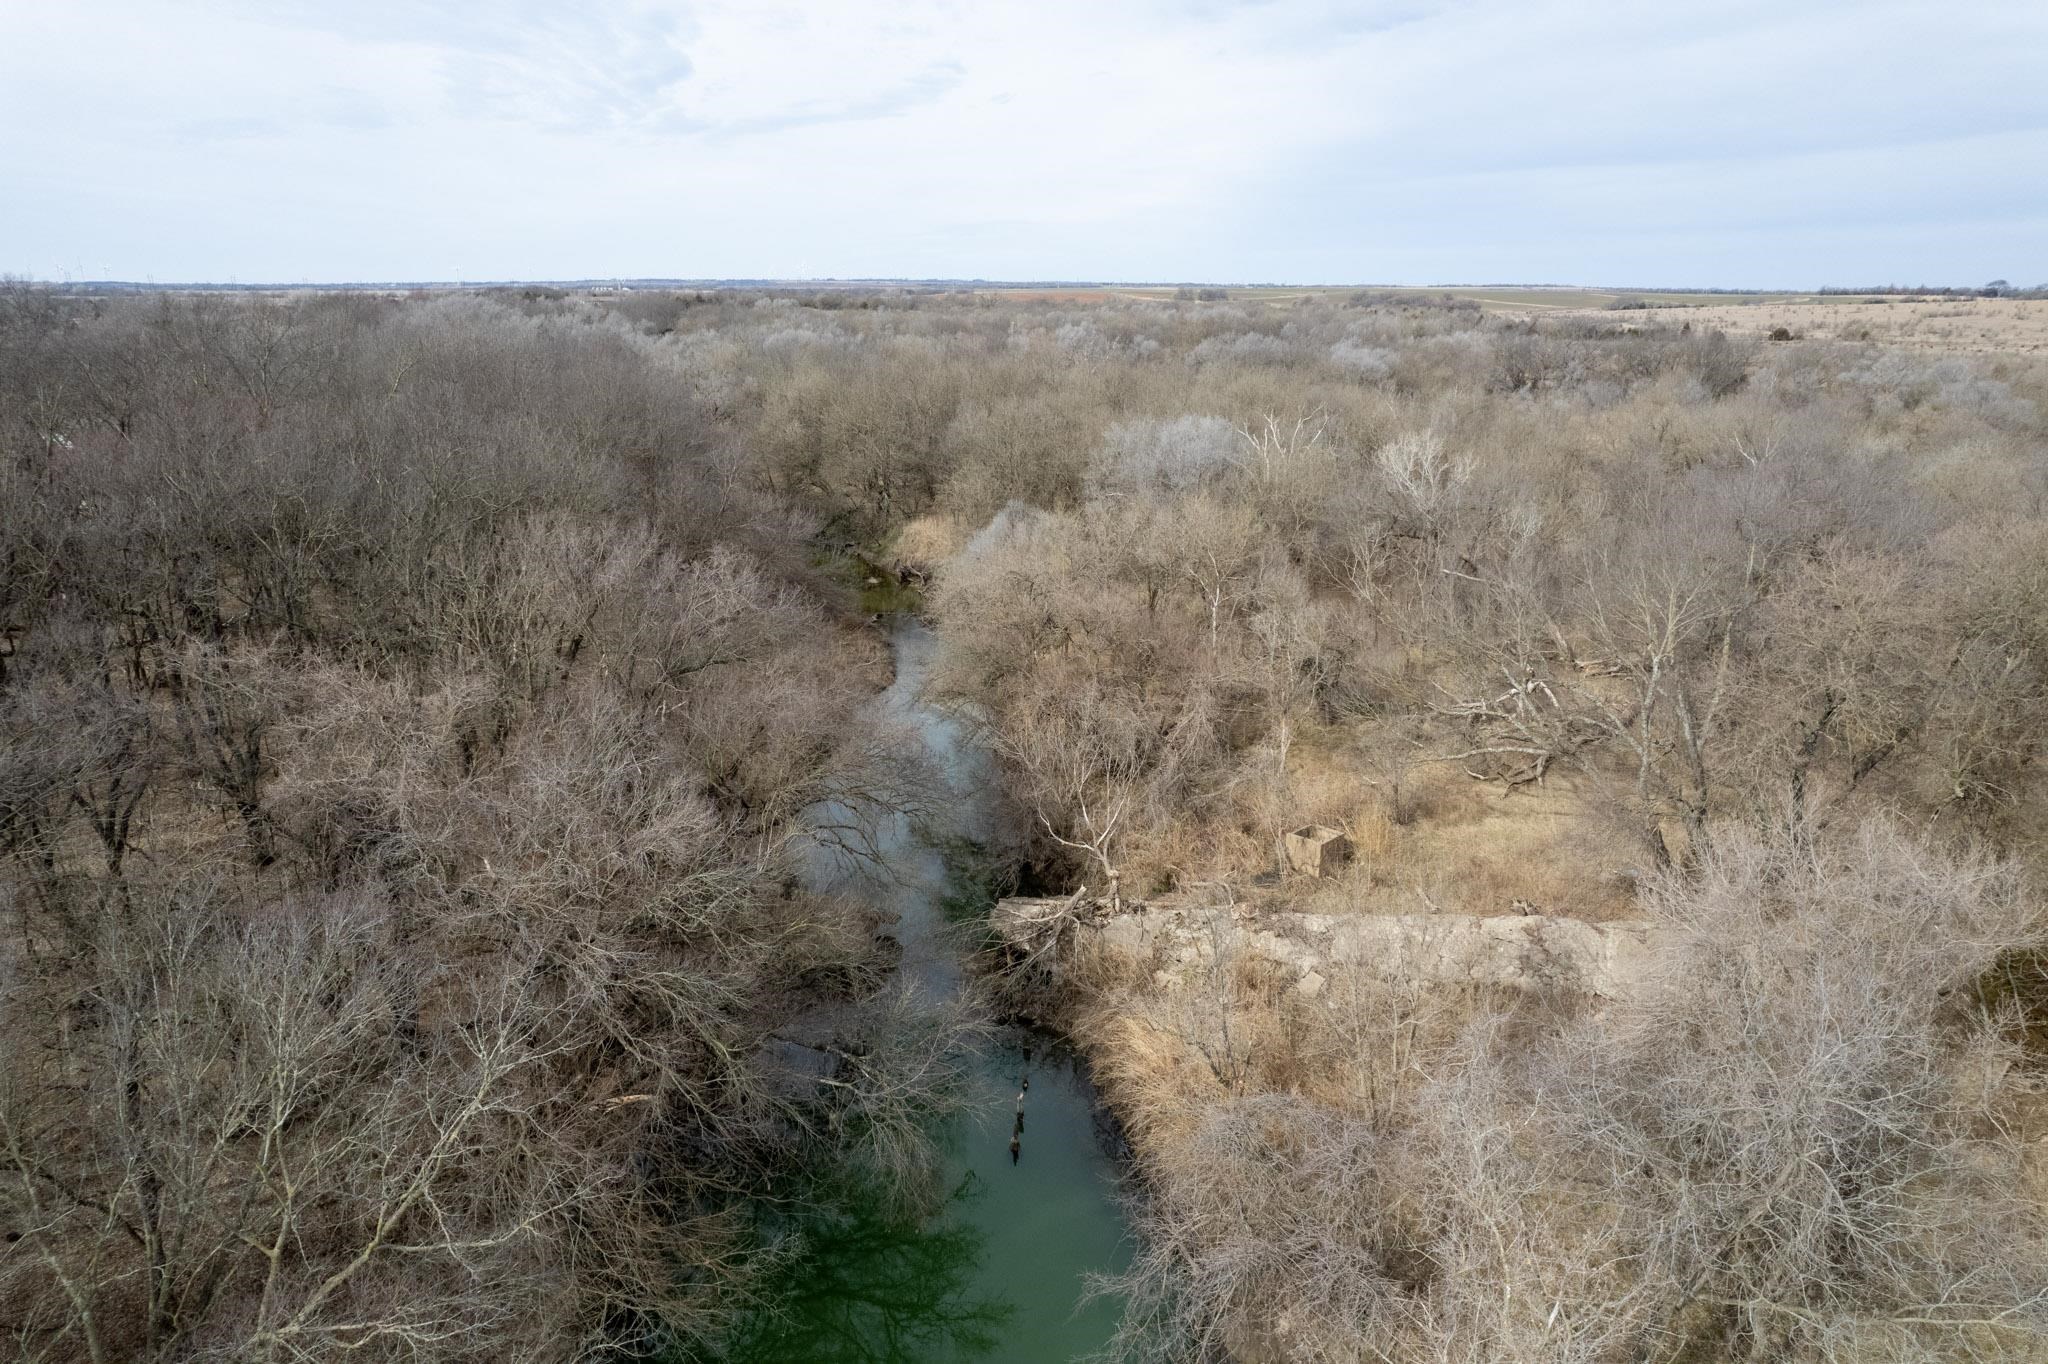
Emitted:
<point x="1740" y="639"/>
<point x="407" y="709"/>
<point x="1806" y="1134"/>
<point x="404" y="721"/>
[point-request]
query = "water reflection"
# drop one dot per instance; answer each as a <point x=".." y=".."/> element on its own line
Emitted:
<point x="999" y="1275"/>
<point x="870" y="1288"/>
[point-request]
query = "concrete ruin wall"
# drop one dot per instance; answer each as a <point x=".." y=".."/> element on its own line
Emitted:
<point x="1518" y="951"/>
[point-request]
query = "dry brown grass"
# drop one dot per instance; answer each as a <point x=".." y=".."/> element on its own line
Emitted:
<point x="925" y="543"/>
<point x="1454" y="844"/>
<point x="1427" y="838"/>
<point x="1482" y="848"/>
<point x="1167" y="1047"/>
<point x="1962" y="325"/>
<point x="1154" y="1081"/>
<point x="1062" y="296"/>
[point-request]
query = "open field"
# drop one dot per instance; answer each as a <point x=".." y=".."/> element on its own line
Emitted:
<point x="1497" y="298"/>
<point x="1960" y="324"/>
<point x="1565" y="299"/>
<point x="1051" y="295"/>
<point x="1967" y="325"/>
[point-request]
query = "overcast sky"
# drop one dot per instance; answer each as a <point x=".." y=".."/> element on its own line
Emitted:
<point x="1715" y="142"/>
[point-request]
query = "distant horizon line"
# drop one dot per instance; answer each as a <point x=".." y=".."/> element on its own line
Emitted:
<point x="921" y="282"/>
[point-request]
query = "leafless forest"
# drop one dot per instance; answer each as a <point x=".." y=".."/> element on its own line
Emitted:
<point x="407" y="707"/>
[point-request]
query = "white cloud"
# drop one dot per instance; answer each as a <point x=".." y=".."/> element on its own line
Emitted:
<point x="1308" y="139"/>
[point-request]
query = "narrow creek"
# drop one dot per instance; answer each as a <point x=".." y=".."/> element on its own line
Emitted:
<point x="998" y="1275"/>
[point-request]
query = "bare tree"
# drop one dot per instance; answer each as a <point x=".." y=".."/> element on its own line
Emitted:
<point x="1789" y="1105"/>
<point x="225" y="707"/>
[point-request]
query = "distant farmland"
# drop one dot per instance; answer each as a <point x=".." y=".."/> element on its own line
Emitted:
<point x="1506" y="298"/>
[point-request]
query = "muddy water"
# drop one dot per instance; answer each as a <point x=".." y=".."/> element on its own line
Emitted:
<point x="998" y="1276"/>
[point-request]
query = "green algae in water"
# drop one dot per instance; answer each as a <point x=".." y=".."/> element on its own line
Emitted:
<point x="888" y="596"/>
<point x="877" y="588"/>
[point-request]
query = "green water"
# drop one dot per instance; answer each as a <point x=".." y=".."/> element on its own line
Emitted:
<point x="1049" y="1219"/>
<point x="999" y="1273"/>
<point x="870" y="1288"/>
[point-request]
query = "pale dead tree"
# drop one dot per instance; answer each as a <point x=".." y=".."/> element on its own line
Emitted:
<point x="1041" y="930"/>
<point x="1757" y="429"/>
<point x="1368" y="561"/>
<point x="1667" y="632"/>
<point x="1636" y="651"/>
<point x="1758" y="449"/>
<point x="1427" y="479"/>
<point x="1525" y="721"/>
<point x="1095" y="787"/>
<point x="1290" y="472"/>
<point x="1275" y="452"/>
<point x="1518" y="732"/>
<point x="1149" y="461"/>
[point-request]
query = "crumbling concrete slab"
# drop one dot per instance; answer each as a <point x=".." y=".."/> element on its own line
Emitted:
<point x="1529" y="951"/>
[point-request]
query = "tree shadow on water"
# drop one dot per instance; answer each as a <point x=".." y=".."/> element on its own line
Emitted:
<point x="870" y="1287"/>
